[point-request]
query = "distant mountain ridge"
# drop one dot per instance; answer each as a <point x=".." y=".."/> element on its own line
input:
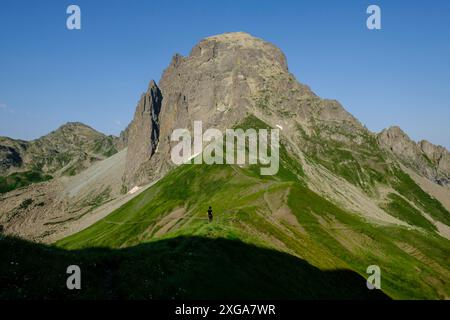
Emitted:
<point x="68" y="150"/>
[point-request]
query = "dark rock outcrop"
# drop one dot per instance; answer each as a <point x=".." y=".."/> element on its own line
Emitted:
<point x="143" y="134"/>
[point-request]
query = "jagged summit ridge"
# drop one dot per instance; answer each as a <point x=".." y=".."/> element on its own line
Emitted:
<point x="428" y="159"/>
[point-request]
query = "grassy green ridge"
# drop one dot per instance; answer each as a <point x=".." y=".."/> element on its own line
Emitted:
<point x="400" y="208"/>
<point x="21" y="179"/>
<point x="409" y="189"/>
<point x="191" y="187"/>
<point x="342" y="240"/>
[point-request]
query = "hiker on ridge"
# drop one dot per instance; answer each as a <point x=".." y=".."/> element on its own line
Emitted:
<point x="210" y="215"/>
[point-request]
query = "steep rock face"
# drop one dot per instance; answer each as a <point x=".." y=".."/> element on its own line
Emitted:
<point x="11" y="152"/>
<point x="224" y="78"/>
<point x="429" y="160"/>
<point x="437" y="154"/>
<point x="217" y="82"/>
<point x="121" y="142"/>
<point x="395" y="140"/>
<point x="143" y="134"/>
<point x="229" y="75"/>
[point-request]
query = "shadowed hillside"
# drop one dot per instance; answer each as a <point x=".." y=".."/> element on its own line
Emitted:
<point x="183" y="267"/>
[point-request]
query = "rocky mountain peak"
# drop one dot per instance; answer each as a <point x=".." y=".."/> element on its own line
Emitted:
<point x="74" y="124"/>
<point x="432" y="151"/>
<point x="394" y="130"/>
<point x="217" y="83"/>
<point x="224" y="78"/>
<point x="431" y="161"/>
<point x="397" y="141"/>
<point x="439" y="156"/>
<point x="78" y="128"/>
<point x="243" y="45"/>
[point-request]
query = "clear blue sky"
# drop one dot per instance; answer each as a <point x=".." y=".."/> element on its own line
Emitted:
<point x="49" y="75"/>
